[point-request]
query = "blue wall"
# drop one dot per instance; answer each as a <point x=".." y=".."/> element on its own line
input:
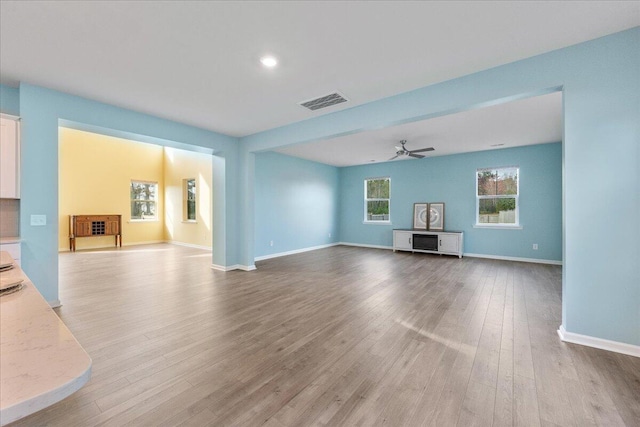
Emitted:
<point x="601" y="164"/>
<point x="601" y="167"/>
<point x="296" y="203"/>
<point x="451" y="179"/>
<point x="9" y="100"/>
<point x="42" y="110"/>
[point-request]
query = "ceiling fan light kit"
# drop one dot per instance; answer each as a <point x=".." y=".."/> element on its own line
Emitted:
<point x="402" y="151"/>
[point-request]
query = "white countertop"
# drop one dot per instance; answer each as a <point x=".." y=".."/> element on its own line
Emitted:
<point x="41" y="362"/>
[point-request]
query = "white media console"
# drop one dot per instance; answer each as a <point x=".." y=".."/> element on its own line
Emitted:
<point x="430" y="242"/>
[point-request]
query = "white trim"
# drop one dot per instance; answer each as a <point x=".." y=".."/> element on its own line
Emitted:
<point x="602" y="344"/>
<point x="148" y="242"/>
<point x="515" y="226"/>
<point x="366" y="200"/>
<point x="189" y="245"/>
<point x="10" y="117"/>
<point x="296" y="251"/>
<point x="55" y="303"/>
<point x="222" y="267"/>
<point x="233" y="267"/>
<point x="102" y="246"/>
<point x="359" y="245"/>
<point x="499" y="227"/>
<point x="514" y="258"/>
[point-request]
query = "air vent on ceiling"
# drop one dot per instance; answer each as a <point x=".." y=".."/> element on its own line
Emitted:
<point x="324" y="101"/>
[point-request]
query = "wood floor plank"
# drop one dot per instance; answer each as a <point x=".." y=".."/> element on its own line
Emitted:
<point x="504" y="400"/>
<point x="503" y="407"/>
<point x="525" y="402"/>
<point x="340" y="336"/>
<point x="477" y="408"/>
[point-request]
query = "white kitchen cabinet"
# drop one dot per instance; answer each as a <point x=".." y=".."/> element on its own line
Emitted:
<point x="431" y="242"/>
<point x="9" y="157"/>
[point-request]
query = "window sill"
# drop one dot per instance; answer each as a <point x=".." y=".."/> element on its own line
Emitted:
<point x="190" y="221"/>
<point x="499" y="227"/>
<point x="377" y="222"/>
<point x="143" y="220"/>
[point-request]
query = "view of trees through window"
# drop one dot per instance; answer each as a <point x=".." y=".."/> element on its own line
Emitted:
<point x="143" y="199"/>
<point x="190" y="189"/>
<point x="497" y="195"/>
<point x="377" y="196"/>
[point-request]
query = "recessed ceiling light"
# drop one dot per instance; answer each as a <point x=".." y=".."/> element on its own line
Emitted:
<point x="269" y="61"/>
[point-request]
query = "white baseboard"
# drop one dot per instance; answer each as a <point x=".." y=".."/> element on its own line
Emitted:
<point x="513" y="258"/>
<point x="233" y="267"/>
<point x="360" y="245"/>
<point x="602" y="344"/>
<point x="296" y="251"/>
<point x="505" y="258"/>
<point x="55" y="303"/>
<point x="103" y="246"/>
<point x="189" y="245"/>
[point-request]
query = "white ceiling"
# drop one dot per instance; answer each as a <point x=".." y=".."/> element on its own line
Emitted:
<point x="536" y="120"/>
<point x="197" y="62"/>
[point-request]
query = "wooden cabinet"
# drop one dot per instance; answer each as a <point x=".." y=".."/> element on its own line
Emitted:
<point x="113" y="226"/>
<point x="94" y="226"/>
<point x="432" y="242"/>
<point x="9" y="157"/>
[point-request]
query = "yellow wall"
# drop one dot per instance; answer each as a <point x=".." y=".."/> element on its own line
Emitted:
<point x="178" y="166"/>
<point x="95" y="173"/>
<point x="94" y="177"/>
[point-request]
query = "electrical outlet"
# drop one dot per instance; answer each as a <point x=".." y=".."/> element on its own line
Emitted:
<point x="271" y="243"/>
<point x="535" y="246"/>
<point x="38" y="220"/>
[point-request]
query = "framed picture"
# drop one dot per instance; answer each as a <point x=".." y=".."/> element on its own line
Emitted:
<point x="436" y="216"/>
<point x="420" y="216"/>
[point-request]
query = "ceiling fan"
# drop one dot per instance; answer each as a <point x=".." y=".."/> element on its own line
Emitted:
<point x="402" y="151"/>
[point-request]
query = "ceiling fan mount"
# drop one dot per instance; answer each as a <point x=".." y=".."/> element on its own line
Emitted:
<point x="402" y="151"/>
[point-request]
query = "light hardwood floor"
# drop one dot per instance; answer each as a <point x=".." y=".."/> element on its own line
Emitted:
<point x="338" y="336"/>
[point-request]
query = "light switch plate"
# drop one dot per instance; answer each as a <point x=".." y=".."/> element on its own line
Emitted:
<point x="38" y="220"/>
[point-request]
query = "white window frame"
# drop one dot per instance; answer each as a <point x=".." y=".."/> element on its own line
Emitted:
<point x="155" y="202"/>
<point x="185" y="200"/>
<point x="514" y="226"/>
<point x="378" y="222"/>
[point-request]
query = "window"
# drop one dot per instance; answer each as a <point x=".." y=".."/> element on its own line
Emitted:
<point x="189" y="191"/>
<point x="143" y="199"/>
<point x="376" y="199"/>
<point x="497" y="196"/>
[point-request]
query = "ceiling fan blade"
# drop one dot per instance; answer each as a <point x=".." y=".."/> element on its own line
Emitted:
<point x="394" y="157"/>
<point x="417" y="156"/>
<point x="422" y="149"/>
